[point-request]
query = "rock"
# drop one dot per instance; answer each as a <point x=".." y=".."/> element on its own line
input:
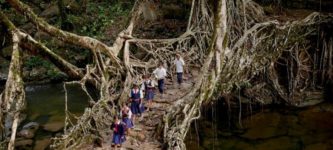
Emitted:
<point x="53" y="126"/>
<point x="260" y="92"/>
<point x="282" y="143"/>
<point x="262" y="133"/>
<point x="317" y="146"/>
<point x="262" y="120"/>
<point x="38" y="73"/>
<point x="3" y="77"/>
<point x="137" y="135"/>
<point x="40" y="35"/>
<point x="326" y="108"/>
<point x="263" y="125"/>
<point x="310" y="98"/>
<point x="28" y="27"/>
<point x="23" y="143"/>
<point x="42" y="144"/>
<point x="52" y="10"/>
<point x="243" y="145"/>
<point x="6" y="52"/>
<point x="31" y="125"/>
<point x="26" y="133"/>
<point x="294" y="129"/>
<point x="316" y="119"/>
<point x="28" y="130"/>
<point x="141" y="137"/>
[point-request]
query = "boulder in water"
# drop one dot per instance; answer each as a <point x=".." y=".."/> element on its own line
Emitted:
<point x="28" y="130"/>
<point x="53" y="126"/>
<point x="23" y="143"/>
<point x="31" y="125"/>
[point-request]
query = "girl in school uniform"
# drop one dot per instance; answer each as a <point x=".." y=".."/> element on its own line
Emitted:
<point x="118" y="128"/>
<point x="126" y="114"/>
<point x="136" y="97"/>
<point x="149" y="88"/>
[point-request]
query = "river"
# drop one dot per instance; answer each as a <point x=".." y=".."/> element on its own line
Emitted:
<point x="46" y="105"/>
<point x="283" y="128"/>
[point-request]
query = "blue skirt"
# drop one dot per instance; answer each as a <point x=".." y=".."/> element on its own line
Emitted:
<point x="150" y="95"/>
<point x="118" y="139"/>
<point x="135" y="107"/>
<point x="128" y="122"/>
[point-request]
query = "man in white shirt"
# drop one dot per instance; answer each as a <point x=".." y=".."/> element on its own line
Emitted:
<point x="160" y="74"/>
<point x="179" y="63"/>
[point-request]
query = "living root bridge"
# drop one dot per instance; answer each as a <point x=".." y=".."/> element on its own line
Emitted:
<point x="238" y="48"/>
<point x="239" y="55"/>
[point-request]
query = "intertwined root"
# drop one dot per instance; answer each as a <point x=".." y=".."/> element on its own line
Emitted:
<point x="232" y="46"/>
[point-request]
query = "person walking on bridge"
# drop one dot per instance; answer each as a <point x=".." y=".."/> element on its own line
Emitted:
<point x="149" y="89"/>
<point x="160" y="74"/>
<point x="136" y="97"/>
<point x="179" y="63"/>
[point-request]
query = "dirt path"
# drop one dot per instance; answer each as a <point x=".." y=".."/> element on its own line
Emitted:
<point x="142" y="135"/>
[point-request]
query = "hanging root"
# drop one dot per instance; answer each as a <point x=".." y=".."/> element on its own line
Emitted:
<point x="232" y="49"/>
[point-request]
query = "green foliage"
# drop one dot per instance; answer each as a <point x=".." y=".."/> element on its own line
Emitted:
<point x="35" y="61"/>
<point x="102" y="15"/>
<point x="51" y="73"/>
<point x="55" y="75"/>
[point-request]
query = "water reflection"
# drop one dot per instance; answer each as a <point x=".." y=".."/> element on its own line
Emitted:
<point x="46" y="105"/>
<point x="271" y="129"/>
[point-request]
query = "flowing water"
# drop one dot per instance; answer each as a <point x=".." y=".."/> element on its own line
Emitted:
<point x="46" y="105"/>
<point x="308" y="128"/>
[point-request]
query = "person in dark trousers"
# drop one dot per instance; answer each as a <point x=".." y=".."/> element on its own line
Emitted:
<point x="179" y="63"/>
<point x="136" y="97"/>
<point x="119" y="129"/>
<point x="160" y="74"/>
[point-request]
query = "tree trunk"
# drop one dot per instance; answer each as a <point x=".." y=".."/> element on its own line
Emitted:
<point x="12" y="99"/>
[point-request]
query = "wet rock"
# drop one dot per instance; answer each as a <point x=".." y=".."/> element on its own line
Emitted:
<point x="6" y="52"/>
<point x="282" y="143"/>
<point x="3" y="77"/>
<point x="23" y="143"/>
<point x="26" y="133"/>
<point x="42" y="144"/>
<point x="262" y="120"/>
<point x="263" y="125"/>
<point x="326" y="108"/>
<point x="317" y="146"/>
<point x="260" y="92"/>
<point x="310" y="98"/>
<point x="316" y="119"/>
<point x="28" y="130"/>
<point x="294" y="128"/>
<point x="262" y="133"/>
<point x="243" y="145"/>
<point x="313" y="137"/>
<point x="37" y="73"/>
<point x="31" y="125"/>
<point x="53" y="126"/>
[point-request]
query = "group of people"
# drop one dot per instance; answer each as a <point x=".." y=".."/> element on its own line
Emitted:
<point x="137" y="94"/>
